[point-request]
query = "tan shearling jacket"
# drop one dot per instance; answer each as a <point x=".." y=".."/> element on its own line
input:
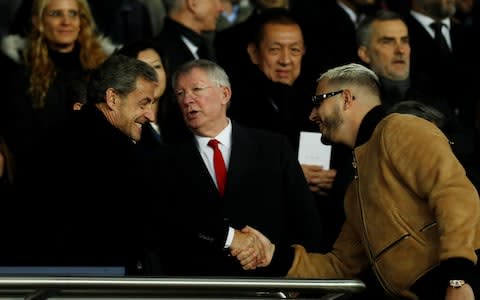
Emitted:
<point x="409" y="207"/>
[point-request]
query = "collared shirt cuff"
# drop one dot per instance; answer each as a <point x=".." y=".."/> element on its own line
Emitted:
<point x="230" y="235"/>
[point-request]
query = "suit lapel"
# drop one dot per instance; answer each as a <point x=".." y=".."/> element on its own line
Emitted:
<point x="195" y="169"/>
<point x="242" y="154"/>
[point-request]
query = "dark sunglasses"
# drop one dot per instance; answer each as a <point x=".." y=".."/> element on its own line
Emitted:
<point x="318" y="99"/>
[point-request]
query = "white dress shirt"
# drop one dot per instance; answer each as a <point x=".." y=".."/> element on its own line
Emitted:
<point x="206" y="152"/>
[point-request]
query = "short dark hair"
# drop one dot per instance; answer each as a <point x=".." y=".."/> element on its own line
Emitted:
<point x="119" y="72"/>
<point x="132" y="49"/>
<point x="275" y="15"/>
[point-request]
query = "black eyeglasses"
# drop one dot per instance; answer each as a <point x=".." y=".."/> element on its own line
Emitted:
<point x="318" y="99"/>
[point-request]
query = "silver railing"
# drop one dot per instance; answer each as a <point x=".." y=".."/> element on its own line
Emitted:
<point x="41" y="288"/>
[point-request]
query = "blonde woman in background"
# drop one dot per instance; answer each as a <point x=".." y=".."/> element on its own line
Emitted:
<point x="62" y="46"/>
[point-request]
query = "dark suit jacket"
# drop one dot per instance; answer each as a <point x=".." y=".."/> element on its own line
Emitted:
<point x="265" y="189"/>
<point x="171" y="47"/>
<point x="329" y="37"/>
<point x="89" y="181"/>
<point x="231" y="45"/>
<point x="453" y="76"/>
<point x="261" y="103"/>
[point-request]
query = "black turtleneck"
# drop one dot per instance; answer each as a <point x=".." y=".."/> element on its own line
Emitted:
<point x="69" y="61"/>
<point x="369" y="122"/>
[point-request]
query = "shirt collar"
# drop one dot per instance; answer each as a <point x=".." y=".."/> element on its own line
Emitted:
<point x="191" y="46"/>
<point x="426" y="21"/>
<point x="224" y="137"/>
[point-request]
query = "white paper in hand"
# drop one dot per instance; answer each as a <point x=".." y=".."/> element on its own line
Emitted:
<point x="311" y="151"/>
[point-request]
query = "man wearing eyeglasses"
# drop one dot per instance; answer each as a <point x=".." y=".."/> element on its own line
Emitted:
<point x="412" y="215"/>
<point x="258" y="182"/>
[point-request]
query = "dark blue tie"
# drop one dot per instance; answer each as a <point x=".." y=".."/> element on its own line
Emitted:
<point x="440" y="39"/>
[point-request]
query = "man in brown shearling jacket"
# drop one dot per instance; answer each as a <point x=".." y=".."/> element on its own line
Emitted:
<point x="412" y="215"/>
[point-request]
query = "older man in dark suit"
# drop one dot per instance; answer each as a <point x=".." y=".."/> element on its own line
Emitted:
<point x="264" y="185"/>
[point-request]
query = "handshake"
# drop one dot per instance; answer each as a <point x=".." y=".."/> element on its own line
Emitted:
<point x="251" y="248"/>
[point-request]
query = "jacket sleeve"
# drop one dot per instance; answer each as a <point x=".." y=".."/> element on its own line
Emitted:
<point x="346" y="260"/>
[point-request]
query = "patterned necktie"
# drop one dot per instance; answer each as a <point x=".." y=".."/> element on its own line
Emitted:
<point x="440" y="39"/>
<point x="219" y="165"/>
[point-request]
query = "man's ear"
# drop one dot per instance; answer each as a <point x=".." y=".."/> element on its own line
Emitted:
<point x="362" y="53"/>
<point x="191" y="5"/>
<point x="253" y="53"/>
<point x="227" y="94"/>
<point x="348" y="99"/>
<point x="111" y="97"/>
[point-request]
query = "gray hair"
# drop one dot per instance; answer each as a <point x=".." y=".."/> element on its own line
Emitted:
<point x="119" y="72"/>
<point x="355" y="74"/>
<point x="215" y="73"/>
<point x="364" y="29"/>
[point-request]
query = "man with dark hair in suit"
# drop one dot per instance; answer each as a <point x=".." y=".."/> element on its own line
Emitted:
<point x="272" y="97"/>
<point x="231" y="43"/>
<point x="86" y="170"/>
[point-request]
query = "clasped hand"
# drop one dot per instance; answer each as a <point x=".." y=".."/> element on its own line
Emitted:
<point x="252" y="249"/>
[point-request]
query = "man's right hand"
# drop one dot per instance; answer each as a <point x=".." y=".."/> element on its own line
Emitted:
<point x="249" y="244"/>
<point x="245" y="257"/>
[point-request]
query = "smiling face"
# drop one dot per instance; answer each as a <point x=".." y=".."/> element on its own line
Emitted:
<point x="388" y="51"/>
<point x="328" y="114"/>
<point x="280" y="52"/>
<point x="60" y="24"/>
<point x="133" y="110"/>
<point x="203" y="103"/>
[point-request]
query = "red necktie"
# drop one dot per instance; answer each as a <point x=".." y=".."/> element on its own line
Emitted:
<point x="219" y="165"/>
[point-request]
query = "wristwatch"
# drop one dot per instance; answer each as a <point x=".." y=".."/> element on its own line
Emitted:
<point x="456" y="283"/>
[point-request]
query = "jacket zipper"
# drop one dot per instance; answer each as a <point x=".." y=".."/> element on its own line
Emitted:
<point x="365" y="234"/>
